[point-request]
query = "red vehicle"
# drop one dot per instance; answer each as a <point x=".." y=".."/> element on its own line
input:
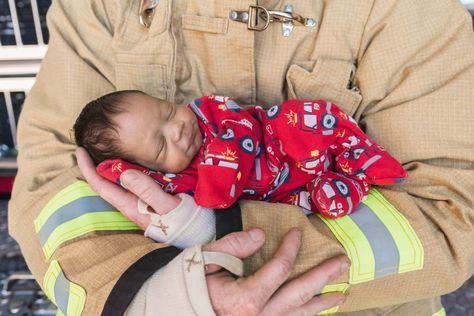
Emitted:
<point x="7" y="174"/>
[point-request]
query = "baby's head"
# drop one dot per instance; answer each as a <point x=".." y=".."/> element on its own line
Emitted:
<point x="134" y="126"/>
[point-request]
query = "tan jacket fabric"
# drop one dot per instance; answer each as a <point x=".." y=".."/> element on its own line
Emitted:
<point x="404" y="69"/>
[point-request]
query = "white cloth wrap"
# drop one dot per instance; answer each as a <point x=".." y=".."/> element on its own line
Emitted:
<point x="180" y="287"/>
<point x="187" y="225"/>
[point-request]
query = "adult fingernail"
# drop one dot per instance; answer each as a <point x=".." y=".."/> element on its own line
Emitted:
<point x="342" y="300"/>
<point x="127" y="177"/>
<point x="298" y="232"/>
<point x="256" y="234"/>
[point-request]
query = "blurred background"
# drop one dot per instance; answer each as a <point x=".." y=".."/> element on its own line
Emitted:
<point x="23" y="43"/>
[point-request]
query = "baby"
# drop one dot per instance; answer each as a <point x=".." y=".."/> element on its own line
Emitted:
<point x="302" y="152"/>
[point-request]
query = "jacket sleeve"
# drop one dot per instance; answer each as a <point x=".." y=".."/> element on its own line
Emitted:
<point x="70" y="237"/>
<point x="415" y="72"/>
<point x="424" y="116"/>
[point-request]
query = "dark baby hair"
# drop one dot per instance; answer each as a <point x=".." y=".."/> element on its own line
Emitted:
<point x="95" y="130"/>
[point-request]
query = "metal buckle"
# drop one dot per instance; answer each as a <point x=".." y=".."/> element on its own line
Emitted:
<point x="252" y="17"/>
<point x="146" y="12"/>
<point x="257" y="14"/>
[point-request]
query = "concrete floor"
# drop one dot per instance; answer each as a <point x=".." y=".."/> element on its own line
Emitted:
<point x="460" y="302"/>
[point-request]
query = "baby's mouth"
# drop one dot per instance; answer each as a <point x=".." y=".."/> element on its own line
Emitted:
<point x="193" y="145"/>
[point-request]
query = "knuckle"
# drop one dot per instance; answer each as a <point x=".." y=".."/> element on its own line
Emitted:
<point x="122" y="204"/>
<point x="97" y="186"/>
<point x="247" y="307"/>
<point x="251" y="304"/>
<point x="100" y="187"/>
<point x="285" y="265"/>
<point x="302" y="297"/>
<point x="299" y="312"/>
<point x="305" y="313"/>
<point x="234" y="243"/>
<point x="145" y="192"/>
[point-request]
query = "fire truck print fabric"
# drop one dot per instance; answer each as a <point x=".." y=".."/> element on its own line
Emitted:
<point x="305" y="153"/>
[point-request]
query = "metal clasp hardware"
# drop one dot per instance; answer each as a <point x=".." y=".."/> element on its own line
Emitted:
<point x="253" y="17"/>
<point x="256" y="13"/>
<point x="146" y="12"/>
<point x="258" y="18"/>
<point x="287" y="27"/>
<point x="283" y="17"/>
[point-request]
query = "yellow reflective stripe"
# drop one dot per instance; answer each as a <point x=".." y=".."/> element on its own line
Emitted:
<point x="65" y="196"/>
<point x="357" y="247"/>
<point x="85" y="224"/>
<point x="341" y="287"/>
<point x="66" y="295"/>
<point x="378" y="240"/>
<point x="441" y="312"/>
<point x="73" y="212"/>
<point x="408" y="244"/>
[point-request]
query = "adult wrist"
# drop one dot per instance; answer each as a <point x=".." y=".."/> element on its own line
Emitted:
<point x="186" y="290"/>
<point x="186" y="225"/>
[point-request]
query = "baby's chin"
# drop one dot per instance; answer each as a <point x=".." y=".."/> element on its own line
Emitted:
<point x="177" y="169"/>
<point x="180" y="164"/>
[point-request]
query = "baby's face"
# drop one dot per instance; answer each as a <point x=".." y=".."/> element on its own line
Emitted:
<point x="157" y="134"/>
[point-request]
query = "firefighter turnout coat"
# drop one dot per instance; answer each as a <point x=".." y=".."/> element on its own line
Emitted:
<point x="403" y="69"/>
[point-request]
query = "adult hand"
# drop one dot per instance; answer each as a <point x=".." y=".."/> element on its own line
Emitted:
<point x="262" y="293"/>
<point x="138" y="184"/>
<point x="259" y="294"/>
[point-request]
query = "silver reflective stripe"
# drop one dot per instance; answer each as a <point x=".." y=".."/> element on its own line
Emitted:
<point x="386" y="254"/>
<point x="68" y="296"/>
<point x="81" y="206"/>
<point x="61" y="292"/>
